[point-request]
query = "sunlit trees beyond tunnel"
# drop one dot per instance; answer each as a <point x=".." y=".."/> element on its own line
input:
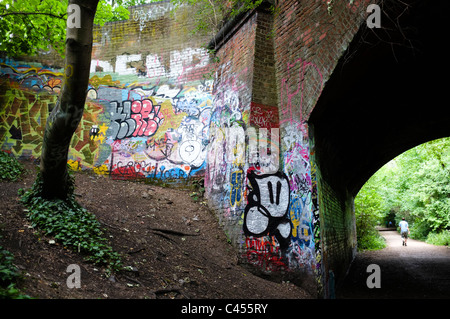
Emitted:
<point x="414" y="185"/>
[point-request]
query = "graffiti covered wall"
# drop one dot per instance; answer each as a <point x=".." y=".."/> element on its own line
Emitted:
<point x="149" y="99"/>
<point x="258" y="172"/>
<point x="311" y="38"/>
<point x="152" y="112"/>
<point x="268" y="198"/>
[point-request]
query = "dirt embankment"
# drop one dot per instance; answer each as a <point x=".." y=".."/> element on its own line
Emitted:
<point x="173" y="246"/>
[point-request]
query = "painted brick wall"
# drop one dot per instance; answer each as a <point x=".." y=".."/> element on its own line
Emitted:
<point x="288" y="221"/>
<point x="308" y="45"/>
<point x="226" y="161"/>
<point x="148" y="96"/>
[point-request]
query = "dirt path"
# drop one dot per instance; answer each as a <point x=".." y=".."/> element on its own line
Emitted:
<point x="418" y="270"/>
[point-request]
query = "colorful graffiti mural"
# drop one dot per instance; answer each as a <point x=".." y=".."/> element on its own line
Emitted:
<point x="28" y="94"/>
<point x="141" y="130"/>
<point x="272" y="200"/>
<point x="281" y="210"/>
<point x="159" y="136"/>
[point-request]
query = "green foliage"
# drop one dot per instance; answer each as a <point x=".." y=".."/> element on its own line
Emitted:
<point x="371" y="241"/>
<point x="422" y="186"/>
<point x="441" y="239"/>
<point x="107" y="13"/>
<point x="419" y="230"/>
<point x="368" y="213"/>
<point x="10" y="168"/>
<point x="244" y="5"/>
<point x="414" y="185"/>
<point x="71" y="224"/>
<point x="24" y="24"/>
<point x="9" y="275"/>
<point x="7" y="270"/>
<point x="199" y="192"/>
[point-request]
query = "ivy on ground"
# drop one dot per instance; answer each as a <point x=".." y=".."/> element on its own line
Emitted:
<point x="9" y="276"/>
<point x="10" y="168"/>
<point x="70" y="224"/>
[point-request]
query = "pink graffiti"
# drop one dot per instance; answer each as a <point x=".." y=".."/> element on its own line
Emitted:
<point x="147" y="117"/>
<point x="287" y="107"/>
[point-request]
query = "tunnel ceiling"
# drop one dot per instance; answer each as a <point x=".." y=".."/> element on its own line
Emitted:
<point x="387" y="94"/>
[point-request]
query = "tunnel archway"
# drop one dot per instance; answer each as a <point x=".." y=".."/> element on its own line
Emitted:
<point x="411" y="186"/>
<point x="414" y="185"/>
<point x="386" y="95"/>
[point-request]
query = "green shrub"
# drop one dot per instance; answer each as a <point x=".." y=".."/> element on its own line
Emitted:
<point x="9" y="275"/>
<point x="10" y="168"/>
<point x="419" y="230"/>
<point x="441" y="239"/>
<point x="372" y="241"/>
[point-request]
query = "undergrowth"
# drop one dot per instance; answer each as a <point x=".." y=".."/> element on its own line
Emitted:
<point x="9" y="276"/>
<point x="371" y="241"/>
<point x="10" y="168"/>
<point x="440" y="239"/>
<point x="71" y="225"/>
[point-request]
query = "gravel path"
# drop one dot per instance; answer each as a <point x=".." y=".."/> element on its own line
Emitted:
<point x="418" y="270"/>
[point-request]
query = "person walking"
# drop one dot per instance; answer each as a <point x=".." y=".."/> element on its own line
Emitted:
<point x="404" y="230"/>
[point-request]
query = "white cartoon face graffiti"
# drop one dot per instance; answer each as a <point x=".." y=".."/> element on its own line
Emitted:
<point x="268" y="205"/>
<point x="273" y="194"/>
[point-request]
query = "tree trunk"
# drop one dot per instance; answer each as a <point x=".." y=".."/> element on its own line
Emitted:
<point x="67" y="114"/>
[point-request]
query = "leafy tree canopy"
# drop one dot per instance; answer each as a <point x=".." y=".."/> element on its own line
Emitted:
<point x="31" y="26"/>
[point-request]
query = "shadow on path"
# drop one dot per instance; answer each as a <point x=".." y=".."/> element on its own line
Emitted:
<point x="418" y="270"/>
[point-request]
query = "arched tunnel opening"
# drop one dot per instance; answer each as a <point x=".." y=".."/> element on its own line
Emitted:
<point x="413" y="190"/>
<point x="386" y="95"/>
<point x="413" y="186"/>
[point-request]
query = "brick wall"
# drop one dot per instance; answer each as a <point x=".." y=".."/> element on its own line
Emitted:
<point x="289" y="222"/>
<point x="149" y="96"/>
<point x="264" y="80"/>
<point x="226" y="161"/>
<point x="338" y="234"/>
<point x="308" y="45"/>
